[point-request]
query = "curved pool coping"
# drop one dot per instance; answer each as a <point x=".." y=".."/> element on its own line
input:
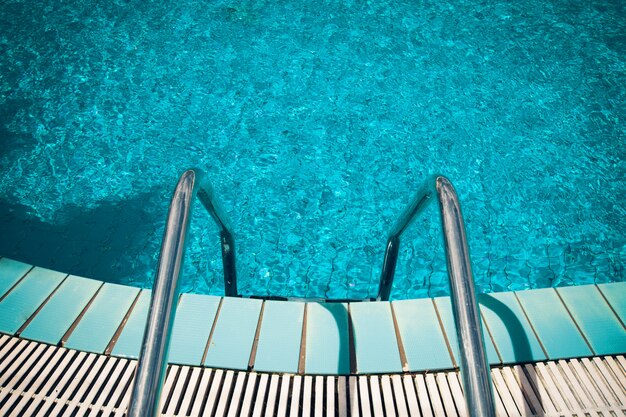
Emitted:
<point x="311" y="338"/>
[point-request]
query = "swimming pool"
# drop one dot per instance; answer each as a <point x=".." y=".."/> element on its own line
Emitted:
<point x="316" y="124"/>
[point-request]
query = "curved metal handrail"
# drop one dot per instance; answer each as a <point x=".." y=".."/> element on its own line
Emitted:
<point x="473" y="361"/>
<point x="152" y="358"/>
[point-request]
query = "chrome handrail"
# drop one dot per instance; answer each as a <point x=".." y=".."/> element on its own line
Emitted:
<point x="473" y="361"/>
<point x="150" y="372"/>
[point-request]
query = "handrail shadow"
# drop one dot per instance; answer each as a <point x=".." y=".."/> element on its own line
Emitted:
<point x="522" y="351"/>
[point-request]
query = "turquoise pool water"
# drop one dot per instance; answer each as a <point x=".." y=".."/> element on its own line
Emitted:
<point x="316" y="122"/>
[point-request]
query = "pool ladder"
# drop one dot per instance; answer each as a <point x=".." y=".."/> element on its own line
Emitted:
<point x="475" y="373"/>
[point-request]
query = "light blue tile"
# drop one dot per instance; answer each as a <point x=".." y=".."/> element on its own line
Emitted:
<point x="20" y="304"/>
<point x="375" y="343"/>
<point x="615" y="293"/>
<point x="231" y="344"/>
<point x="595" y="318"/>
<point x="128" y="344"/>
<point x="194" y="319"/>
<point x="10" y="272"/>
<point x="61" y="310"/>
<point x="553" y="324"/>
<point x="280" y="336"/>
<point x="102" y="319"/>
<point x="327" y="339"/>
<point x="444" y="307"/>
<point x="509" y="328"/>
<point x="422" y="337"/>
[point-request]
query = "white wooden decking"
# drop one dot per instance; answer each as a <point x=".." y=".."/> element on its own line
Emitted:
<point x="37" y="379"/>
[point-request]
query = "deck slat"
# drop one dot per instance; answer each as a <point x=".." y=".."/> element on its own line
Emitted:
<point x="246" y="404"/>
<point x="237" y="391"/>
<point x="10" y="272"/>
<point x="194" y="318"/>
<point x="513" y="336"/>
<point x="353" y="389"/>
<point x="600" y="326"/>
<point x="194" y="380"/>
<point x="284" y="396"/>
<point x="100" y="322"/>
<point x="278" y="349"/>
<point x="295" y="396"/>
<point x="411" y="395"/>
<point x="399" y="396"/>
<point x="129" y="341"/>
<point x="446" y="395"/>
<point x="259" y="400"/>
<point x="559" y="335"/>
<point x="27" y="296"/>
<point x="364" y="396"/>
<point x="375" y="343"/>
<point x="225" y="394"/>
<point x="435" y="398"/>
<point x="307" y="395"/>
<point x="388" y="400"/>
<point x="330" y="396"/>
<point x="422" y="395"/>
<point x="422" y="337"/>
<point x="327" y="339"/>
<point x="272" y="395"/>
<point x="444" y="307"/>
<point x="235" y="329"/>
<point x="56" y="317"/>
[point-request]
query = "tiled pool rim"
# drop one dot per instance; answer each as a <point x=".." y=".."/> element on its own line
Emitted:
<point x="311" y="338"/>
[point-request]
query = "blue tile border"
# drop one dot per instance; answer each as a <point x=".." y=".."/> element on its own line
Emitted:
<point x="385" y="337"/>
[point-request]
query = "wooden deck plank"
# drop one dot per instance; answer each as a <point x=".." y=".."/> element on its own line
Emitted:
<point x="58" y="314"/>
<point x="375" y="343"/>
<point x="100" y="322"/>
<point x="26" y="297"/>
<point x="595" y="318"/>
<point x="508" y="326"/>
<point x="558" y="335"/>
<point x="444" y="307"/>
<point x="10" y="272"/>
<point x="233" y="334"/>
<point x="422" y="337"/>
<point x="194" y="318"/>
<point x="278" y="349"/>
<point x="327" y="339"/>
<point x="128" y="344"/>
